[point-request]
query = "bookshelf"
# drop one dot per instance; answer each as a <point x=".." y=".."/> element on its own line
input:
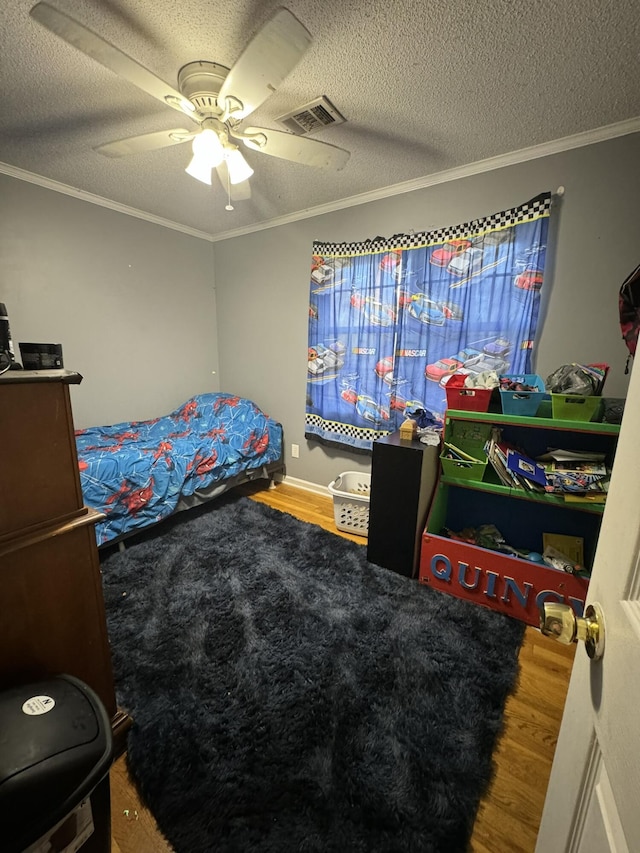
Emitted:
<point x="500" y="581"/>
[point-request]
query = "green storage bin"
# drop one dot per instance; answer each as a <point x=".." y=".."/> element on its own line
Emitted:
<point x="573" y="407"/>
<point x="471" y="439"/>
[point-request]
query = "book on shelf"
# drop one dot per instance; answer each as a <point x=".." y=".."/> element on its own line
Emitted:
<point x="560" y="455"/>
<point x="576" y="472"/>
<point x="559" y="472"/>
<point x="497" y="460"/>
<point x="587" y="469"/>
<point x="526" y="467"/>
<point x="576" y="477"/>
<point x="509" y="464"/>
<point x="571" y="546"/>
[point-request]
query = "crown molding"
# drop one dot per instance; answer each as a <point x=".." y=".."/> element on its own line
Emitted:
<point x="65" y="189"/>
<point x="522" y="155"/>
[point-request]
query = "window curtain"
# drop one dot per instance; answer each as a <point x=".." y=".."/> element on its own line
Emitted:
<point x="391" y="319"/>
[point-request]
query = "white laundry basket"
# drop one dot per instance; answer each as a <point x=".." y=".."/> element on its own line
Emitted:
<point x="351" y="491"/>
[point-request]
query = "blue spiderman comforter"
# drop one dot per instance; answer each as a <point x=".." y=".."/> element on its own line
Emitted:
<point x="136" y="472"/>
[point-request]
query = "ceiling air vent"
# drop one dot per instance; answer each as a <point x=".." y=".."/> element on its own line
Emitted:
<point x="311" y="117"/>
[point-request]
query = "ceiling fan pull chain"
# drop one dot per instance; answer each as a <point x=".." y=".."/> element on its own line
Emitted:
<point x="228" y="206"/>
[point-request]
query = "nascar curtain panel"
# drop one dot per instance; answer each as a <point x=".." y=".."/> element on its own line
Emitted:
<point x="390" y="320"/>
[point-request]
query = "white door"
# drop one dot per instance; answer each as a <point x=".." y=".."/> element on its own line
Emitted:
<point x="593" y="799"/>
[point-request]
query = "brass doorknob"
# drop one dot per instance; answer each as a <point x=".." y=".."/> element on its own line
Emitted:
<point x="560" y="622"/>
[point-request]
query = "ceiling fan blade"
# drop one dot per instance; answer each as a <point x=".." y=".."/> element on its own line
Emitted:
<point x="238" y="192"/>
<point x="145" y="142"/>
<point x="106" y="54"/>
<point x="288" y="146"/>
<point x="264" y="63"/>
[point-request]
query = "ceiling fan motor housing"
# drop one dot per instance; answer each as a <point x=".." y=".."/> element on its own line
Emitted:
<point x="200" y="84"/>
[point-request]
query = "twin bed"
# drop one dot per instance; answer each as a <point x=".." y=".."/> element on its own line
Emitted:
<point x="140" y="472"/>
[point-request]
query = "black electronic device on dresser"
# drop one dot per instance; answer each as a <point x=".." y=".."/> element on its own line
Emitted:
<point x="403" y="478"/>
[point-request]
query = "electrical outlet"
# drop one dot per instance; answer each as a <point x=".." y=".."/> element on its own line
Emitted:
<point x="295" y="451"/>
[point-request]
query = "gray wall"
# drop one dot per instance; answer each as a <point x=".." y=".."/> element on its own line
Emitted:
<point x="132" y="303"/>
<point x="262" y="279"/>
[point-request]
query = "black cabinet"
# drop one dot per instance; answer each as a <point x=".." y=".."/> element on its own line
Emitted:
<point x="403" y="477"/>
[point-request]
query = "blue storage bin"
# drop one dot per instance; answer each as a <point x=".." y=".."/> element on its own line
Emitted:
<point x="523" y="403"/>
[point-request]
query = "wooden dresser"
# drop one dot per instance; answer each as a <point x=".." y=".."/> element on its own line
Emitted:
<point x="52" y="616"/>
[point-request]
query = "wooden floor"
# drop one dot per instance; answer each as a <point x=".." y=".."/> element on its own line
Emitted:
<point x="509" y="814"/>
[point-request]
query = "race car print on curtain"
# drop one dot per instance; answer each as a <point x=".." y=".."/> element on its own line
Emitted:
<point x="391" y="319"/>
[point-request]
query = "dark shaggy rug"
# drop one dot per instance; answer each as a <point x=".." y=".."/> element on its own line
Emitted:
<point x="290" y="696"/>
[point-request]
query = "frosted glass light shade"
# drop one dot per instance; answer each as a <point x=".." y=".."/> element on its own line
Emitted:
<point x="200" y="169"/>
<point x="239" y="169"/>
<point x="207" y="145"/>
<point x="207" y="153"/>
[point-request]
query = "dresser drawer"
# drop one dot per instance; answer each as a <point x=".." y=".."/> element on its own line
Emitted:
<point x="53" y="608"/>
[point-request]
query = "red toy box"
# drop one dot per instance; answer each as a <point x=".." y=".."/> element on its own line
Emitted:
<point x="508" y="584"/>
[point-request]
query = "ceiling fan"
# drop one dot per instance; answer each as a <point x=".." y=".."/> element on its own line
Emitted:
<point x="214" y="97"/>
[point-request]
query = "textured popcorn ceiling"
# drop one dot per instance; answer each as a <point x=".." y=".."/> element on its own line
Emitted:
<point x="425" y="85"/>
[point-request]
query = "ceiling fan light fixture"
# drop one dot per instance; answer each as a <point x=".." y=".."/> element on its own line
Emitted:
<point x="207" y="154"/>
<point x="207" y="146"/>
<point x="215" y="97"/>
<point x="200" y="169"/>
<point x="239" y="169"/>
